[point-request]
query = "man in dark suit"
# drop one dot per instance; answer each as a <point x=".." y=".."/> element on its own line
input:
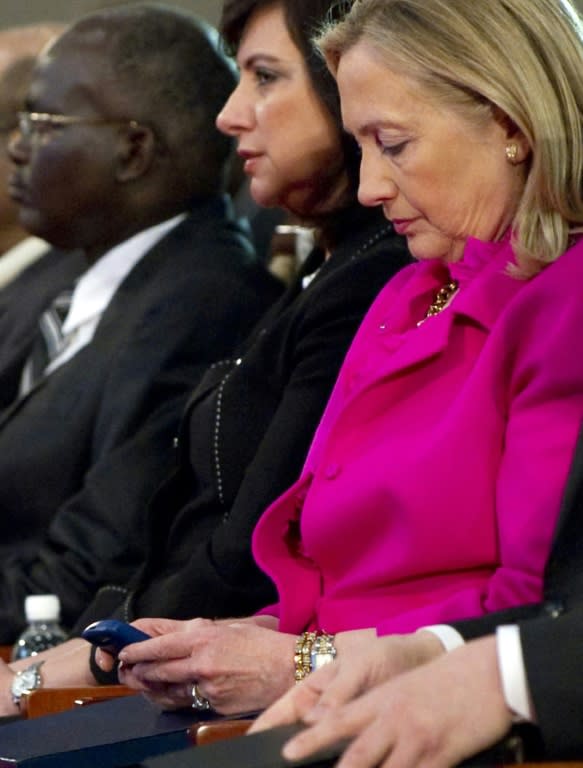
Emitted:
<point x="118" y="164"/>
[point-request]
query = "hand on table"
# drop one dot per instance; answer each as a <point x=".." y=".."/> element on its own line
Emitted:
<point x="435" y="715"/>
<point x="363" y="661"/>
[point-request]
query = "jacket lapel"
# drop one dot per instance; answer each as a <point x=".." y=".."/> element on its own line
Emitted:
<point x="479" y="303"/>
<point x="9" y="412"/>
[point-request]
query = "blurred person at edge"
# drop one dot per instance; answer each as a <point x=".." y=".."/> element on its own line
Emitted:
<point x="19" y="47"/>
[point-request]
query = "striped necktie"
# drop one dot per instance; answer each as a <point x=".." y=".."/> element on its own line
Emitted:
<point x="49" y="341"/>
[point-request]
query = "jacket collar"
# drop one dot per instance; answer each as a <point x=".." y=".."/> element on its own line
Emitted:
<point x="486" y="287"/>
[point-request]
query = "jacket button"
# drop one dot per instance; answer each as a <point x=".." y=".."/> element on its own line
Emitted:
<point x="554" y="608"/>
<point x="332" y="471"/>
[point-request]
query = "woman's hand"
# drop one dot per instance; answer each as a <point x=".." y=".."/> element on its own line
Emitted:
<point x="238" y="666"/>
<point x="65" y="664"/>
<point x="363" y="661"/>
<point x="158" y="627"/>
<point x="435" y="715"/>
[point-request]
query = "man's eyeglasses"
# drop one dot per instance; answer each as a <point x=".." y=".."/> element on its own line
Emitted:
<point x="39" y="123"/>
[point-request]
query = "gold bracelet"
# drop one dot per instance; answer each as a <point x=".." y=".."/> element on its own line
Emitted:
<point x="302" y="655"/>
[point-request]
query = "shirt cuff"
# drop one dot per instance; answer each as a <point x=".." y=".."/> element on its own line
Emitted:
<point x="450" y="637"/>
<point x="513" y="673"/>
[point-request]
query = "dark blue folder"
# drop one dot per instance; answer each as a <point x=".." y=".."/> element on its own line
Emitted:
<point x="118" y="732"/>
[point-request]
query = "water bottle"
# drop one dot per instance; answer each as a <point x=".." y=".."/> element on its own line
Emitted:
<point x="43" y="630"/>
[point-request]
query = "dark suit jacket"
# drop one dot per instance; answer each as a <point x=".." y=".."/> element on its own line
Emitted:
<point x="553" y="655"/>
<point x="21" y="304"/>
<point x="83" y="452"/>
<point x="245" y="436"/>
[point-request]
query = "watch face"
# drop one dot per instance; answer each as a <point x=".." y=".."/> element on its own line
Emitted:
<point x="320" y="659"/>
<point x="27" y="680"/>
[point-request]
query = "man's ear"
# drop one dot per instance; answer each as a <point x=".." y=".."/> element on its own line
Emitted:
<point x="135" y="151"/>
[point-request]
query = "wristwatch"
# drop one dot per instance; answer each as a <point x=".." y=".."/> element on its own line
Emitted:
<point x="323" y="651"/>
<point x="25" y="681"/>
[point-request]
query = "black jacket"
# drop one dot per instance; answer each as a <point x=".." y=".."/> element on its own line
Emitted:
<point x="245" y="435"/>
<point x="553" y="657"/>
<point x="81" y="455"/>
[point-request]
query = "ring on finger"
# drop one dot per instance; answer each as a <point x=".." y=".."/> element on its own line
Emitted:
<point x="198" y="700"/>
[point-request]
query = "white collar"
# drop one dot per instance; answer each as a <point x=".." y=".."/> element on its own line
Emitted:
<point x="96" y="287"/>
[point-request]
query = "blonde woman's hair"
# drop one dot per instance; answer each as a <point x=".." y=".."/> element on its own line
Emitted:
<point x="524" y="57"/>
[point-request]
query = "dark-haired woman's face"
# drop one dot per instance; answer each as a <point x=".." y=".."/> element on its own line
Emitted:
<point x="287" y="138"/>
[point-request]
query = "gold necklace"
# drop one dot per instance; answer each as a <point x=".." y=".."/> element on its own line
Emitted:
<point x="442" y="299"/>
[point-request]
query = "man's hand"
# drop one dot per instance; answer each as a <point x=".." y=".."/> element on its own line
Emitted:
<point x="436" y="715"/>
<point x="363" y="661"/>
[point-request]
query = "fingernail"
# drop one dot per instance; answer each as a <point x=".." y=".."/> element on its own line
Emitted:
<point x="290" y="750"/>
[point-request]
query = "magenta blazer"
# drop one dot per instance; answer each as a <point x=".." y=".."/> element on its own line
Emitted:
<point x="433" y="483"/>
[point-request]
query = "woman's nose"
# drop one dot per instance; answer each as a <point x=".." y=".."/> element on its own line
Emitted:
<point x="376" y="184"/>
<point x="235" y="116"/>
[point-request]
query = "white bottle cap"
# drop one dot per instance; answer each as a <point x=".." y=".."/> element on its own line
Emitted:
<point x="42" y="608"/>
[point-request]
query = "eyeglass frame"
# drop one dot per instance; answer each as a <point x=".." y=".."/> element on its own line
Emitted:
<point x="31" y="119"/>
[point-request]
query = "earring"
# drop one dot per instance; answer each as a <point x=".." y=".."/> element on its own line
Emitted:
<point x="512" y="152"/>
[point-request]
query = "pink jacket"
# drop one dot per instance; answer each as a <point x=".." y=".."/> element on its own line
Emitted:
<point x="433" y="483"/>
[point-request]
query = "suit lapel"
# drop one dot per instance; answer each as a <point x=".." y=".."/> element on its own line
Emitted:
<point x="8" y="413"/>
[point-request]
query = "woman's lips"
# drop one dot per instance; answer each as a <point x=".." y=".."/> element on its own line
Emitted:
<point x="250" y="164"/>
<point x="250" y="159"/>
<point x="402" y="225"/>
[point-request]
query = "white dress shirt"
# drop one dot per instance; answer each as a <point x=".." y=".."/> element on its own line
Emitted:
<point x="96" y="287"/>
<point x="510" y="665"/>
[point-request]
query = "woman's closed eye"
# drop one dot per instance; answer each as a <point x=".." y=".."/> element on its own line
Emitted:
<point x="264" y="77"/>
<point x="391" y="148"/>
